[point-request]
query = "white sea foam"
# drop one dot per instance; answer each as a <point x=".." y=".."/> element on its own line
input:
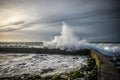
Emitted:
<point x="39" y="64"/>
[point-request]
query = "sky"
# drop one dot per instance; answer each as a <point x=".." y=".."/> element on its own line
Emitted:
<point x="41" y="20"/>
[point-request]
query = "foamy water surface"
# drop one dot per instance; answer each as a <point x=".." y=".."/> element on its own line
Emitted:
<point x="39" y="64"/>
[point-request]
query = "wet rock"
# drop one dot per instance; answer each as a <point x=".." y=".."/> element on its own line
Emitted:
<point x="64" y="65"/>
<point x="21" y="64"/>
<point x="47" y="70"/>
<point x="75" y="58"/>
<point x="59" y="61"/>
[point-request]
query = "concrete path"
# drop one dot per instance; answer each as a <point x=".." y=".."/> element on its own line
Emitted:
<point x="107" y="69"/>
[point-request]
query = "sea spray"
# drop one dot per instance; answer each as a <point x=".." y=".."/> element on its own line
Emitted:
<point x="68" y="41"/>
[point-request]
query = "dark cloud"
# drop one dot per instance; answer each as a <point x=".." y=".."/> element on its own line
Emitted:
<point x="12" y="28"/>
<point x="9" y="29"/>
<point x="18" y="23"/>
<point x="95" y="20"/>
<point x="13" y="23"/>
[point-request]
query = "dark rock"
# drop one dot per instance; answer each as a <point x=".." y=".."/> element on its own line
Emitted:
<point x="75" y="58"/>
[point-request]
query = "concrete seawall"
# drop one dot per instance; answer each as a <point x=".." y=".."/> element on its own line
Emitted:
<point x="45" y="50"/>
<point x="107" y="70"/>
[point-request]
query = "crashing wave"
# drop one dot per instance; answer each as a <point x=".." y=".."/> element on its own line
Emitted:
<point x="68" y="41"/>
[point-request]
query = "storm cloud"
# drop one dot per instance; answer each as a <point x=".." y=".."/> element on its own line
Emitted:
<point x="93" y="20"/>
